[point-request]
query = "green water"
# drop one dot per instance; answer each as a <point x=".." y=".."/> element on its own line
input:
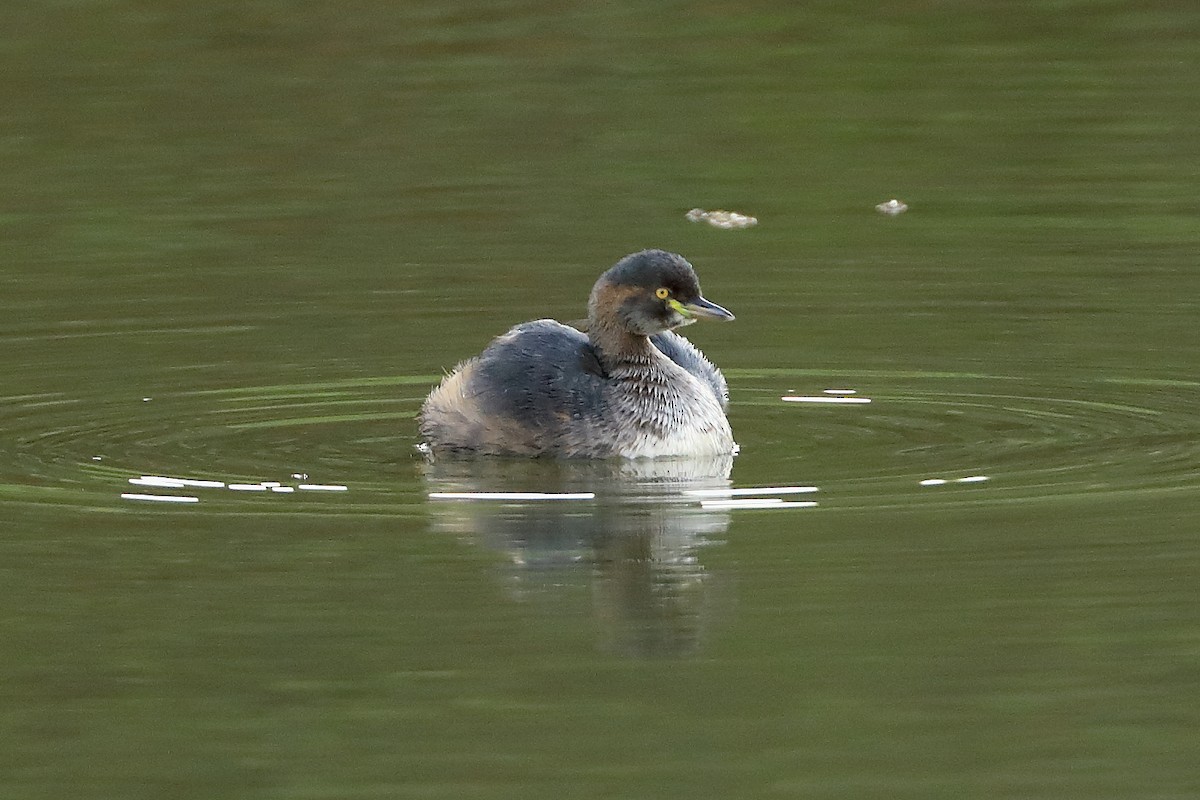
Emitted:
<point x="240" y="241"/>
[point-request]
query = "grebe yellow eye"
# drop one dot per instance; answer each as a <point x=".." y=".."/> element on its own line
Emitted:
<point x="662" y="293"/>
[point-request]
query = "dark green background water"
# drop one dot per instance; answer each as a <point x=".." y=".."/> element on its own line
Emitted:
<point x="239" y="241"/>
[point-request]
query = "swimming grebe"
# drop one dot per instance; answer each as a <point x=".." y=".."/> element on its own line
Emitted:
<point x="629" y="387"/>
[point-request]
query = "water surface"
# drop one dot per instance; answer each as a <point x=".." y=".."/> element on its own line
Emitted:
<point x="240" y="243"/>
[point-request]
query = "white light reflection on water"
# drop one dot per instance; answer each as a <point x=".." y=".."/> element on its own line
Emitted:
<point x="167" y="482"/>
<point x="160" y="498"/>
<point x="748" y="491"/>
<point x="512" y="496"/>
<point x="175" y="483"/>
<point x="756" y="503"/>
<point x="944" y="481"/>
<point x="831" y="399"/>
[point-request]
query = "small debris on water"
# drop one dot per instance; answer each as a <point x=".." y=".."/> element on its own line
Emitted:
<point x="892" y="207"/>
<point x="725" y="220"/>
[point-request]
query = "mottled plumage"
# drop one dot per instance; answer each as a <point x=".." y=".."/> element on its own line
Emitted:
<point x="629" y="387"/>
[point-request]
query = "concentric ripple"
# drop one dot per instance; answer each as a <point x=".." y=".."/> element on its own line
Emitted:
<point x="925" y="438"/>
<point x="980" y="438"/>
<point x="290" y="441"/>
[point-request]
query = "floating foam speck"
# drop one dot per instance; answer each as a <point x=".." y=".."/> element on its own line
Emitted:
<point x="892" y="207"/>
<point x="159" y="498"/>
<point x="726" y="220"/>
<point x="512" y="495"/>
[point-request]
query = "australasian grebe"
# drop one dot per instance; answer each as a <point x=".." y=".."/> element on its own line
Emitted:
<point x="629" y="388"/>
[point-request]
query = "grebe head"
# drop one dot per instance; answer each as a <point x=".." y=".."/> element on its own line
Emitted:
<point x="650" y="292"/>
